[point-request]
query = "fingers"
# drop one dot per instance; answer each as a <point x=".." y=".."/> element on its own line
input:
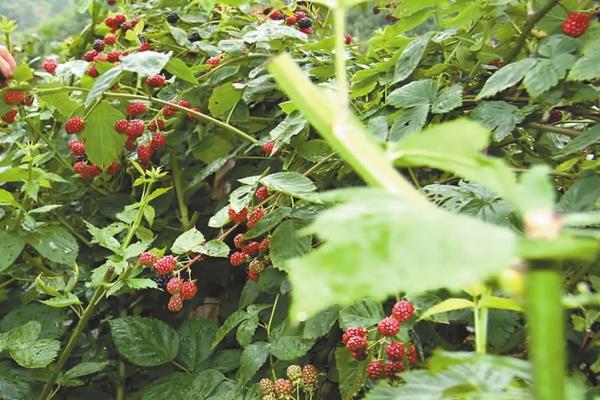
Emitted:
<point x="7" y="63"/>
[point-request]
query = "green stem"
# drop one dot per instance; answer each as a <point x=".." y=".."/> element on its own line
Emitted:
<point x="556" y="129"/>
<point x="341" y="75"/>
<point x="545" y="322"/>
<point x="179" y="191"/>
<point x="272" y="315"/>
<point x="481" y="314"/>
<point x="534" y="19"/>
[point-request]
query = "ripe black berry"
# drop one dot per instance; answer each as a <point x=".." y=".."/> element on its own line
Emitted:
<point x="305" y="22"/>
<point x="173" y="18"/>
<point x="161" y="281"/>
<point x="194" y="37"/>
<point x="98" y="45"/>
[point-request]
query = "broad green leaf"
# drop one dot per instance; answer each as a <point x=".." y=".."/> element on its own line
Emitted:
<point x="145" y="63"/>
<point x="59" y="100"/>
<point x="286" y="243"/>
<point x="289" y="348"/>
<point x="506" y="77"/>
<point x="268" y="222"/>
<point x="290" y="183"/>
<point x="246" y="331"/>
<point x="253" y="357"/>
<point x="51" y="320"/>
<point x="364" y="313"/>
<point x="195" y="338"/>
<point x="62" y="301"/>
<point x="141" y="283"/>
<point x="102" y="84"/>
<point x="272" y="30"/>
<point x="587" y="67"/>
<point x="414" y="94"/>
<point x="557" y="44"/>
<point x="585" y="139"/>
<point x="102" y="143"/>
<point x="56" y="244"/>
<point x="187" y="241"/>
<point x="23" y="335"/>
<point x="223" y="99"/>
<point x="498" y="116"/>
<point x="535" y="190"/>
<point x="37" y="354"/>
<point x="11" y="246"/>
<point x="292" y="125"/>
<point x="15" y="382"/>
<point x="352" y="373"/>
<point x="500" y="303"/>
<point x="456" y="146"/>
<point x="410" y="58"/>
<point x="546" y="74"/>
<point x="146" y="342"/>
<point x="447" y="100"/>
<point x="173" y="385"/>
<point x="562" y="248"/>
<point x="23" y="73"/>
<point x="85" y="368"/>
<point x="379" y="239"/>
<point x="581" y="196"/>
<point x="410" y="120"/>
<point x="231" y="322"/>
<point x="214" y="248"/>
<point x="321" y="324"/>
<point x="6" y="197"/>
<point x="446" y="306"/>
<point x="178" y="67"/>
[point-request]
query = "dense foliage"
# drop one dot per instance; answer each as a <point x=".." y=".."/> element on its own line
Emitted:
<point x="183" y="214"/>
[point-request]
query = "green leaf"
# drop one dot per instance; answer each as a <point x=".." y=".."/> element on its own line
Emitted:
<point x="179" y="68"/>
<point x="410" y="58"/>
<point x="364" y="313"/>
<point x="51" y="320"/>
<point x="246" y="331"/>
<point x="37" y="354"/>
<point x="321" y="324"/>
<point x="546" y="74"/>
<point x="446" y="306"/>
<point x="447" y="100"/>
<point x="292" y="125"/>
<point x="585" y="139"/>
<point x="141" y="283"/>
<point x="268" y="222"/>
<point x="286" y="243"/>
<point x="195" y="338"/>
<point x="67" y="300"/>
<point x="536" y="191"/>
<point x="23" y="335"/>
<point x="379" y="239"/>
<point x="561" y="248"/>
<point x="85" y="368"/>
<point x="102" y="84"/>
<point x="223" y="99"/>
<point x="59" y="100"/>
<point x="290" y="183"/>
<point x="102" y="143"/>
<point x="410" y="120"/>
<point x="11" y="246"/>
<point x="289" y="348"/>
<point x="146" y="342"/>
<point x="587" y="67"/>
<point x="352" y="373"/>
<point x="500" y="303"/>
<point x="56" y="244"/>
<point x="498" y="116"/>
<point x="416" y="93"/>
<point x="272" y="30"/>
<point x="506" y="77"/>
<point x="15" y="382"/>
<point x="145" y="63"/>
<point x="187" y="241"/>
<point x="23" y="73"/>
<point x="173" y="385"/>
<point x="214" y="248"/>
<point x="231" y="322"/>
<point x="253" y="357"/>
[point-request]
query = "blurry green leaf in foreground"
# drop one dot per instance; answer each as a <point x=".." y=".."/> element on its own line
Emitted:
<point x="377" y="245"/>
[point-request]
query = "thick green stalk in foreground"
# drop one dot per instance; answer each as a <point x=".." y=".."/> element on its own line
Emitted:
<point x="545" y="321"/>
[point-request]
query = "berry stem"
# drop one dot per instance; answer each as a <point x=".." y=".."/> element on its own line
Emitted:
<point x="556" y="129"/>
<point x="480" y="314"/>
<point x="179" y="191"/>
<point x="341" y="75"/>
<point x="531" y="21"/>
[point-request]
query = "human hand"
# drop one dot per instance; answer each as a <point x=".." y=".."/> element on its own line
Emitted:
<point x="7" y="63"/>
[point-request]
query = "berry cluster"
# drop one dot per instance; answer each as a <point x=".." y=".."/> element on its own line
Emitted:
<point x="398" y="356"/>
<point x="169" y="280"/>
<point x="252" y="252"/>
<point x="14" y="98"/>
<point x="300" y="380"/>
<point x="300" y="19"/>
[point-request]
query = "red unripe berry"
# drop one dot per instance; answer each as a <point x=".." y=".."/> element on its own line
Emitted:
<point x="174" y="285"/>
<point x="359" y="355"/>
<point x="256" y="267"/>
<point x="114" y="168"/>
<point x="13" y="97"/>
<point x="144" y="153"/>
<point x="119" y="19"/>
<point x="354" y="331"/>
<point x="135" y="128"/>
<point x="156" y="80"/>
<point x="262" y="193"/>
<point x="411" y="354"/>
<point x="92" y="71"/>
<point x="74" y="125"/>
<point x="90" y="56"/>
<point x="147" y="259"/>
<point x="80" y="167"/>
<point x="50" y="66"/>
<point x="299" y="15"/>
<point x="393" y="367"/>
<point x="576" y="24"/>
<point x="111" y="2"/>
<point x="175" y="303"/>
<point x="255" y="217"/>
<point x="253" y="276"/>
<point x="110" y="39"/>
<point x="188" y="290"/>
<point x="403" y="310"/>
<point x="184" y="103"/>
<point x="122" y="125"/>
<point x="376" y="370"/>
<point x="283" y="388"/>
<point x="136" y="108"/>
<point x="77" y="147"/>
<point x="158" y="141"/>
<point x="113" y="56"/>
<point x="395" y="351"/>
<point x="238" y="217"/>
<point x="264" y="245"/>
<point x="238" y="240"/>
<point x="291" y="20"/>
<point x="308" y="30"/>
<point x="192" y="116"/>
<point x="276" y="14"/>
<point x="238" y="258"/>
<point x="251" y="249"/>
<point x="268" y="147"/>
<point x="125" y="26"/>
<point x="10" y="116"/>
<point x="156" y="125"/>
<point x="347" y="38"/>
<point x="169" y="111"/>
<point x="131" y="144"/>
<point x="145" y="46"/>
<point x="357" y="343"/>
<point x="214" y="60"/>
<point x="165" y="265"/>
<point x="388" y="327"/>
